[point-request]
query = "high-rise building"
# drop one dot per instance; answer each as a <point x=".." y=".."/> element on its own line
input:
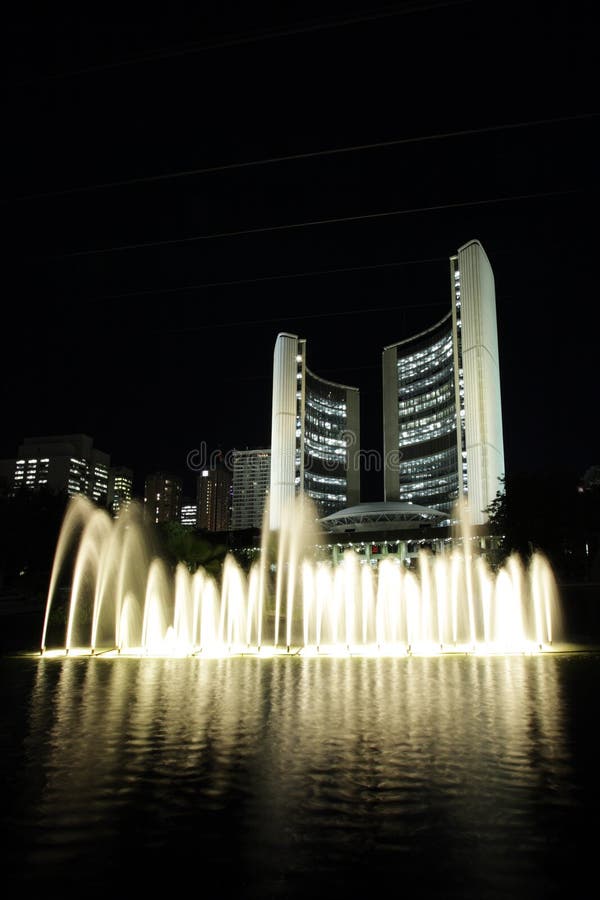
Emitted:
<point x="189" y="514"/>
<point x="214" y="498"/>
<point x="120" y="489"/>
<point x="251" y="479"/>
<point x="442" y="410"/>
<point x="63" y="462"/>
<point x="98" y="480"/>
<point x="162" y="497"/>
<point x="315" y="435"/>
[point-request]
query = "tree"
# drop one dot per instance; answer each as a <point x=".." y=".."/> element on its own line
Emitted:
<point x="180" y="544"/>
<point x="30" y="523"/>
<point x="546" y="512"/>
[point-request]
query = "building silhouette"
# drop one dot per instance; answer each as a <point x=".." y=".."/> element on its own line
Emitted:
<point x="62" y="463"/>
<point x="120" y="489"/>
<point x="162" y="497"/>
<point x="214" y="498"/>
<point x="251" y="479"/>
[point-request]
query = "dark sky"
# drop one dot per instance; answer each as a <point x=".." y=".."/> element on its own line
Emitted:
<point x="143" y="293"/>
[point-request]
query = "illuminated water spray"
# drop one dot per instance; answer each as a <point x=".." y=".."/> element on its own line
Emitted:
<point x="123" y="599"/>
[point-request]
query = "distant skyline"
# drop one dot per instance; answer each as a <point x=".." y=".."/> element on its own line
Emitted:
<point x="183" y="190"/>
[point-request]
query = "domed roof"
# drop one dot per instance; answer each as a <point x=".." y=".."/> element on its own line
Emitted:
<point x="382" y="515"/>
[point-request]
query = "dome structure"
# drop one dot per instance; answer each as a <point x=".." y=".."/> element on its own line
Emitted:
<point x="382" y="516"/>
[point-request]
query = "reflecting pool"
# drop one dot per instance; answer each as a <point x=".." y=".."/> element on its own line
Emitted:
<point x="451" y="776"/>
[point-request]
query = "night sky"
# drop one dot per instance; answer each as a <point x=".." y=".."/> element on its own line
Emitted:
<point x="158" y="242"/>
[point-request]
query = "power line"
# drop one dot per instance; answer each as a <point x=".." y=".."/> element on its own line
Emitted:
<point x="305" y="317"/>
<point x="315" y="273"/>
<point x="301" y="317"/>
<point x="265" y="229"/>
<point x="313" y="154"/>
<point x="246" y="39"/>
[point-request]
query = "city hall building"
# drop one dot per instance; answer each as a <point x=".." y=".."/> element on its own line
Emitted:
<point x="442" y="415"/>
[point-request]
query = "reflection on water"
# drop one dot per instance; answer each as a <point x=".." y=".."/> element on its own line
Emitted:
<point x="288" y="776"/>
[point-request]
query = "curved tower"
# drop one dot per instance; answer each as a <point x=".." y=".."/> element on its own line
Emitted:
<point x="442" y="408"/>
<point x="419" y="415"/>
<point x="315" y="435"/>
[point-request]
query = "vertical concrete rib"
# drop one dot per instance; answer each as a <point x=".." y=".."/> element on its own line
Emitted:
<point x="483" y="403"/>
<point x="283" y="427"/>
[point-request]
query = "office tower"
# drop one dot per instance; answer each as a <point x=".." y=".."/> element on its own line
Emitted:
<point x="162" y="497"/>
<point x="189" y="514"/>
<point x="120" y="489"/>
<point x="98" y="476"/>
<point x="315" y="435"/>
<point x="63" y="462"/>
<point x="214" y="498"/>
<point x="251" y="478"/>
<point x="442" y="410"/>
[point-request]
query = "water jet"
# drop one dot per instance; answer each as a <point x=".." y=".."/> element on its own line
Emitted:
<point x="125" y="601"/>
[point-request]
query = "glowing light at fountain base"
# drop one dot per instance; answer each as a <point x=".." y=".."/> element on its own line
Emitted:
<point x="530" y="648"/>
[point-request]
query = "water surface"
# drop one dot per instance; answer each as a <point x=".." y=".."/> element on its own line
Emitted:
<point x="457" y="776"/>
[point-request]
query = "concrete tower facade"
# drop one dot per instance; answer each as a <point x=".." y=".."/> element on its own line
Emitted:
<point x="442" y="406"/>
<point x="315" y="435"/>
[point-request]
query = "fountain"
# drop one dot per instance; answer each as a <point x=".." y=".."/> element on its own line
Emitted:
<point x="124" y="600"/>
